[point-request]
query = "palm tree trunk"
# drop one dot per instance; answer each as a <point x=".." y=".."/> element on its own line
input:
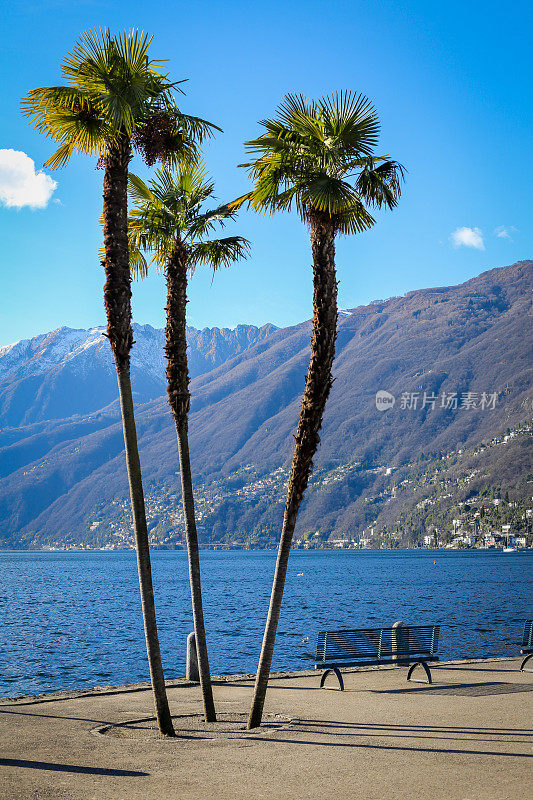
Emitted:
<point x="179" y="399"/>
<point x="117" y="296"/>
<point x="317" y="386"/>
<point x="157" y="677"/>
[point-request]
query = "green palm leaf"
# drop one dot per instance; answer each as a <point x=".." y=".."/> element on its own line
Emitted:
<point x="319" y="157"/>
<point x="113" y="88"/>
<point x="138" y="264"/>
<point x="218" y="253"/>
<point x="168" y="210"/>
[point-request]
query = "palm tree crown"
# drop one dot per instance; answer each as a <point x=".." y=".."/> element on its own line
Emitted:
<point x="318" y="154"/>
<point x="168" y="211"/>
<point x="113" y="88"/>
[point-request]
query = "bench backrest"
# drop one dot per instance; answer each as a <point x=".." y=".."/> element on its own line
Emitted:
<point x="527" y="639"/>
<point x="376" y="644"/>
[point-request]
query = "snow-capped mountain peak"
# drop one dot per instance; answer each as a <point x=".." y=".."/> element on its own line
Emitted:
<point x="48" y="376"/>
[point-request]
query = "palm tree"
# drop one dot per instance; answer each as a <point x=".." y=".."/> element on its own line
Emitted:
<point x="116" y="98"/>
<point x="167" y="220"/>
<point x="317" y="155"/>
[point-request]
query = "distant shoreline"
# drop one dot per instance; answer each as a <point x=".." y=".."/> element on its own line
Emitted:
<point x="274" y="549"/>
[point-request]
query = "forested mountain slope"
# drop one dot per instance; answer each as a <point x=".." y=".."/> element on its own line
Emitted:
<point x="457" y="360"/>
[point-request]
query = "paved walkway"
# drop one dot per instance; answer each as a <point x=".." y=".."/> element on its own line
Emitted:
<point x="466" y="737"/>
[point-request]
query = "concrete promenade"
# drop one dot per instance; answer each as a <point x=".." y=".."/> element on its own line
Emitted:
<point x="468" y="736"/>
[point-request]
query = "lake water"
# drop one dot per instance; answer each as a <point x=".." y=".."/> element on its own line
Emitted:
<point x="73" y="620"/>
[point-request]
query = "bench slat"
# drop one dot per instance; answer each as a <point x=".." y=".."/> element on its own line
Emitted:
<point x="376" y="645"/>
<point x="358" y="663"/>
<point x="527" y="639"/>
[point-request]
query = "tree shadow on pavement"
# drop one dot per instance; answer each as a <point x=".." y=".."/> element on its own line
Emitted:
<point x="328" y="733"/>
<point x="47" y="765"/>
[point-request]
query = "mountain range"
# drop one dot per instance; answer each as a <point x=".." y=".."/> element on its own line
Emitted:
<point x="455" y="363"/>
<point x="67" y="371"/>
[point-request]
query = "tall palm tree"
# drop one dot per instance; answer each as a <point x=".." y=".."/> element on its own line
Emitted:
<point x="317" y="156"/>
<point x="116" y="98"/>
<point x="168" y="221"/>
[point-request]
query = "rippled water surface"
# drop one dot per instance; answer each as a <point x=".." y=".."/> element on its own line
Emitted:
<point x="74" y="620"/>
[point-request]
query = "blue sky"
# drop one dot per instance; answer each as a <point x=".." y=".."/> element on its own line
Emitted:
<point x="452" y="84"/>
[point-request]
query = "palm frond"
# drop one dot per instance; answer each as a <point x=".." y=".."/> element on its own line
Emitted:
<point x="381" y="185"/>
<point x="61" y="156"/>
<point x="138" y="265"/>
<point x="113" y="87"/>
<point x="67" y="115"/>
<point x="354" y="220"/>
<point x="236" y="204"/>
<point x="328" y="194"/>
<point x="218" y="253"/>
<point x="169" y="210"/>
<point x="195" y="127"/>
<point x="319" y="154"/>
<point x="206" y="222"/>
<point x="117" y="71"/>
<point x="150" y="228"/>
<point x="138" y="190"/>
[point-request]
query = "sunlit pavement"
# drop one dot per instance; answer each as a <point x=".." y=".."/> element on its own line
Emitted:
<point x="468" y="736"/>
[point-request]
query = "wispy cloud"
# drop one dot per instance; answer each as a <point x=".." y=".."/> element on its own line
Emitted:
<point x="467" y="237"/>
<point x="505" y="232"/>
<point x="20" y="184"/>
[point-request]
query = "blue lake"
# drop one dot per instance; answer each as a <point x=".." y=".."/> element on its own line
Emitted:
<point x="73" y="620"/>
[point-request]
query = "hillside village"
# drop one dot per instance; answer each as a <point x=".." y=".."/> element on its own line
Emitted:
<point x="428" y="489"/>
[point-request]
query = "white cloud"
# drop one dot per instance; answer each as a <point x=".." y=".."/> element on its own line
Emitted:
<point x="20" y="185"/>
<point x="505" y="231"/>
<point x="467" y="237"/>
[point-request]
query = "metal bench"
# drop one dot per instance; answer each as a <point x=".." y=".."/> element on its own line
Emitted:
<point x="410" y="646"/>
<point x="527" y="645"/>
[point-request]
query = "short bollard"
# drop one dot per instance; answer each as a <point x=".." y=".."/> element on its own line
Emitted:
<point x="400" y="642"/>
<point x="191" y="664"/>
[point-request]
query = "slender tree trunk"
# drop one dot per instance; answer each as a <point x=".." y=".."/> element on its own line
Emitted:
<point x="317" y="386"/>
<point x="180" y="400"/>
<point x="117" y="296"/>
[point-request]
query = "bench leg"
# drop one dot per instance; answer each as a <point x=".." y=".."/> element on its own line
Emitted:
<point x="339" y="678"/>
<point x="426" y="670"/>
<point x="524" y="662"/>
